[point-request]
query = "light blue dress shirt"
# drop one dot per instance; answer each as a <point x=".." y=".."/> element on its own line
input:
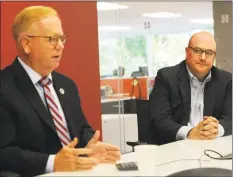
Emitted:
<point x="35" y="77"/>
<point x="197" y="107"/>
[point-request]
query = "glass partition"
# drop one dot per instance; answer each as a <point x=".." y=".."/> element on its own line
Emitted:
<point x="136" y="39"/>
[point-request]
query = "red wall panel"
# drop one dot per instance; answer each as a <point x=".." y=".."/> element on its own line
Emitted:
<point x="80" y="58"/>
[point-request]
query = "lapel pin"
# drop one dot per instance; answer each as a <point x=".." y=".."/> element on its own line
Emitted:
<point x="62" y="91"/>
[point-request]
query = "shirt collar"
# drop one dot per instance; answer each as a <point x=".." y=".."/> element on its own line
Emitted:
<point x="192" y="77"/>
<point x="34" y="76"/>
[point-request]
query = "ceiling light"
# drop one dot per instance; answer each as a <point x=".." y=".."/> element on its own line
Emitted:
<point x="162" y="15"/>
<point x="110" y="6"/>
<point x="203" y="21"/>
<point x="114" y="28"/>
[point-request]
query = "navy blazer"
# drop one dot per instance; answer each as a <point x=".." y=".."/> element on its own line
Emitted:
<point x="27" y="132"/>
<point x="170" y="101"/>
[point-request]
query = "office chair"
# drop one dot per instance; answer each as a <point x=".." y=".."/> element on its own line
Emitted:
<point x="144" y="130"/>
<point x="203" y="172"/>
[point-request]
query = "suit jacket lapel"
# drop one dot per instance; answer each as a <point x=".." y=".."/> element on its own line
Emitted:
<point x="26" y="86"/>
<point x="62" y="93"/>
<point x="184" y="85"/>
<point x="210" y="93"/>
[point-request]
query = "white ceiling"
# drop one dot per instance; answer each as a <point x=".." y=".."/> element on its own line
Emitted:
<point x="132" y="17"/>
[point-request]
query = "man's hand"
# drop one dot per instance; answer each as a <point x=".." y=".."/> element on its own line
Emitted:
<point x="205" y="130"/>
<point x="209" y="128"/>
<point x="105" y="153"/>
<point x="67" y="159"/>
<point x="195" y="132"/>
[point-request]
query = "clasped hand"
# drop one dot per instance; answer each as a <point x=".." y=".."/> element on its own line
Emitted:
<point x="205" y="130"/>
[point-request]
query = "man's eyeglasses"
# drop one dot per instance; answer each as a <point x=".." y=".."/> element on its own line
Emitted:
<point x="198" y="51"/>
<point x="217" y="156"/>
<point x="53" y="39"/>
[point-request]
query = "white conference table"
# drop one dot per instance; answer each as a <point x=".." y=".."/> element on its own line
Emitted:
<point x="185" y="149"/>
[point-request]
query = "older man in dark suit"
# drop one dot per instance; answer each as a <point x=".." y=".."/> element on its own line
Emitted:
<point x="42" y="126"/>
<point x="194" y="98"/>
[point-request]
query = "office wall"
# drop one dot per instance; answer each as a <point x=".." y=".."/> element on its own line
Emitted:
<point x="223" y="33"/>
<point x="80" y="58"/>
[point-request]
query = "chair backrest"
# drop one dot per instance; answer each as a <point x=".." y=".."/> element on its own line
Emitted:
<point x="144" y="129"/>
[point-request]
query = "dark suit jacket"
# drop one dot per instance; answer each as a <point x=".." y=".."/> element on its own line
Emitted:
<point x="170" y="101"/>
<point x="27" y="132"/>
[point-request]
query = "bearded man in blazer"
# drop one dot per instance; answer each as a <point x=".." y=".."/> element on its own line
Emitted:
<point x="192" y="100"/>
<point x="42" y="126"/>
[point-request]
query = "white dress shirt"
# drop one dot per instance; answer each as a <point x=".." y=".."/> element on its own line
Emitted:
<point x="197" y="107"/>
<point x="35" y="77"/>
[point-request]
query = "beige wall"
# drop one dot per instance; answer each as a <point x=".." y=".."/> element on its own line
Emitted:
<point x="223" y="34"/>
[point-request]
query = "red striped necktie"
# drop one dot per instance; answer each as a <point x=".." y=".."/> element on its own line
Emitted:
<point x="55" y="113"/>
